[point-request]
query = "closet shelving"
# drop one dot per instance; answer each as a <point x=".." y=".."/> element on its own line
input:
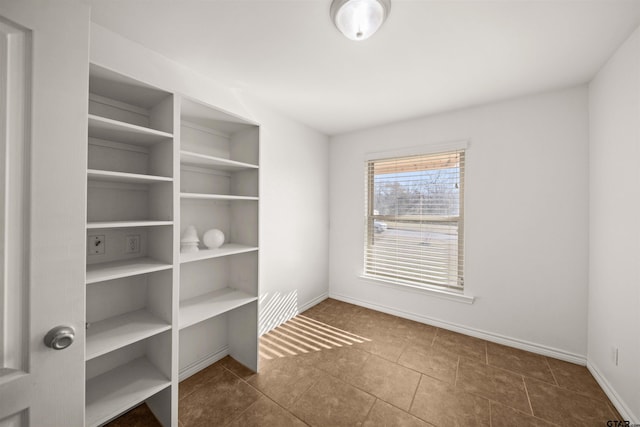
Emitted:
<point x="157" y="163"/>
<point x="218" y="189"/>
<point x="130" y="281"/>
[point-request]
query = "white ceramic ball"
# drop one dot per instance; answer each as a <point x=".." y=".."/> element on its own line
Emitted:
<point x="213" y="238"/>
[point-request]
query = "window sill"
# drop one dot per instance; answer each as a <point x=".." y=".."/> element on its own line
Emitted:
<point x="450" y="295"/>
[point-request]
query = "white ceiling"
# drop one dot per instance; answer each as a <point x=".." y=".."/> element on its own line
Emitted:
<point x="429" y="57"/>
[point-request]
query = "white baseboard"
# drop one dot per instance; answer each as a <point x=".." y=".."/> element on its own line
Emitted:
<point x="620" y="405"/>
<point x="199" y="365"/>
<point x="315" y="301"/>
<point x="488" y="336"/>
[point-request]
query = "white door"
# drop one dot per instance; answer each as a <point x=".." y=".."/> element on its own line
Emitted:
<point x="43" y="129"/>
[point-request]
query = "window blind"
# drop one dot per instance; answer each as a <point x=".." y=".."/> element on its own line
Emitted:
<point x="414" y="231"/>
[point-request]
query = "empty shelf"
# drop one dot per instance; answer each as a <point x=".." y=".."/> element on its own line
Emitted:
<point x="133" y="178"/>
<point x="119" y="331"/>
<point x="114" y="130"/>
<point x="118" y="269"/>
<point x="114" y="392"/>
<point x="219" y="163"/>
<point x="126" y="224"/>
<point x="202" y="196"/>
<point x="224" y="250"/>
<point x="212" y="304"/>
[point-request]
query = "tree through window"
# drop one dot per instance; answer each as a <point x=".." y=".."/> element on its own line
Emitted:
<point x="414" y="220"/>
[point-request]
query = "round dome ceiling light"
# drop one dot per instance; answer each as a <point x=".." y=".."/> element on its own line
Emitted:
<point x="359" y="19"/>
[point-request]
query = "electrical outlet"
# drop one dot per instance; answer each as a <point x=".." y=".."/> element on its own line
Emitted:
<point x="132" y="243"/>
<point x="95" y="245"/>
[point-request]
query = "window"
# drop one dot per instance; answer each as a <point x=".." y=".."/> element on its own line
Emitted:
<point x="415" y="220"/>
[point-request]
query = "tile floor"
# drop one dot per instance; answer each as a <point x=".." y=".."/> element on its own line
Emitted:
<point x="338" y="364"/>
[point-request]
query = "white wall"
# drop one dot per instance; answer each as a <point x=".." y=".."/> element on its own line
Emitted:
<point x="614" y="279"/>
<point x="526" y="221"/>
<point x="293" y="176"/>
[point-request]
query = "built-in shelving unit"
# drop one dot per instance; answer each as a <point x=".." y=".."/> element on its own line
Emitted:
<point x="219" y="170"/>
<point x="130" y="279"/>
<point x="157" y="163"/>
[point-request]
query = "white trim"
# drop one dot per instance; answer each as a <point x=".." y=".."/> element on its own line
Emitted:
<point x="615" y="399"/>
<point x="450" y="295"/>
<point x="199" y="365"/>
<point x="419" y="150"/>
<point x="317" y="300"/>
<point x="488" y="336"/>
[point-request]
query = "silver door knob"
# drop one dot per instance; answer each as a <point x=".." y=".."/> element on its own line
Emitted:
<point x="59" y="337"/>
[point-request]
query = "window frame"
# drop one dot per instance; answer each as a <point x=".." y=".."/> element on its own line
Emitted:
<point x="370" y="217"/>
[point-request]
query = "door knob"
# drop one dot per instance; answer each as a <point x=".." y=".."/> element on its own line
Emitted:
<point x="59" y="337"/>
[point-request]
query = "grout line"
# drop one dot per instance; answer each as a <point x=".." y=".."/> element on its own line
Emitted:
<point x="414" y="394"/>
<point x="526" y="390"/>
<point x="490" y="413"/>
<point x="551" y="370"/>
<point x="370" y="409"/>
<point x="455" y="380"/>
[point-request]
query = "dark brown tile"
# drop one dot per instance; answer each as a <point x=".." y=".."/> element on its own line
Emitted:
<point x="493" y="383"/>
<point x="503" y="416"/>
<point x="520" y="361"/>
<point x="565" y="407"/>
<point x="442" y="404"/>
<point x="236" y="368"/>
<point x="140" y="416"/>
<point x="198" y="380"/>
<point x="418" y="333"/>
<point x="462" y="345"/>
<point x="285" y="379"/>
<point x="331" y="402"/>
<point x="385" y="344"/>
<point x="386" y="415"/>
<point x="435" y="363"/>
<point x="576" y="378"/>
<point x="217" y="401"/>
<point x="265" y="413"/>
<point x="343" y="363"/>
<point x="388" y="381"/>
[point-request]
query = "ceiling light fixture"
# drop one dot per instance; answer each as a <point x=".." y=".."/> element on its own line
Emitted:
<point x="359" y="19"/>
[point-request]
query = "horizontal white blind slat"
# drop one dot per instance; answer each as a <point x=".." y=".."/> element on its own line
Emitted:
<point x="414" y="219"/>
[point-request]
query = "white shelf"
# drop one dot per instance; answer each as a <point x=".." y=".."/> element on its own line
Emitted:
<point x="201" y="196"/>
<point x="115" y="391"/>
<point x="113" y="130"/>
<point x="118" y="269"/>
<point x="212" y="304"/>
<point x="132" y="178"/>
<point x="224" y="250"/>
<point x="219" y="163"/>
<point x="126" y="224"/>
<point x="119" y="331"/>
